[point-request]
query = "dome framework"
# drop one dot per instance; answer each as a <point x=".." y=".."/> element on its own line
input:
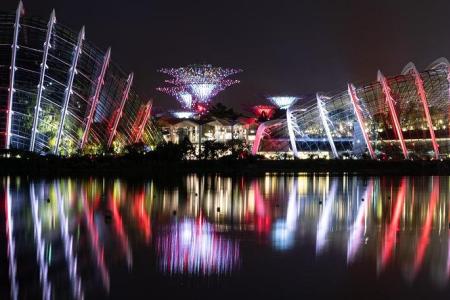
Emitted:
<point x="398" y="117"/>
<point x="60" y="94"/>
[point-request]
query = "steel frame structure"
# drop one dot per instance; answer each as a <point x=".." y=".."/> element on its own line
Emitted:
<point x="95" y="98"/>
<point x="141" y="121"/>
<point x="44" y="67"/>
<point x="411" y="69"/>
<point x="358" y="113"/>
<point x="13" y="69"/>
<point x="391" y="105"/>
<point x="69" y="91"/>
<point x="325" y="122"/>
<point x="60" y="91"/>
<point x="118" y="115"/>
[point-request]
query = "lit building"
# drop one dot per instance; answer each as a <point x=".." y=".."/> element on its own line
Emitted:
<point x="175" y="129"/>
<point x="60" y="94"/>
<point x="399" y="117"/>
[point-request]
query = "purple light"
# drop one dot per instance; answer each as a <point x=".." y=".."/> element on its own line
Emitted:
<point x="200" y="82"/>
<point x="193" y="247"/>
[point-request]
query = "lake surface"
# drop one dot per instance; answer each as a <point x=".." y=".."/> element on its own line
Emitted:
<point x="211" y="237"/>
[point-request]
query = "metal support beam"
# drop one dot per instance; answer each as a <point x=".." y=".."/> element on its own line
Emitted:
<point x="95" y="98"/>
<point x="411" y="69"/>
<point x="258" y="137"/>
<point x="119" y="111"/>
<point x="324" y="118"/>
<point x="68" y="92"/>
<point x="391" y="105"/>
<point x="12" y="74"/>
<point x="290" y="125"/>
<point x="358" y="113"/>
<point x="141" y="121"/>
<point x="41" y="88"/>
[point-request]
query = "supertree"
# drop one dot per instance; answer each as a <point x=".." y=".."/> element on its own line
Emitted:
<point x="283" y="102"/>
<point x="194" y="86"/>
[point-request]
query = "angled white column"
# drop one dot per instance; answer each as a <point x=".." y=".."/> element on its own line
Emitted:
<point x="291" y="123"/>
<point x="119" y="113"/>
<point x="41" y="88"/>
<point x="411" y="69"/>
<point x="359" y="117"/>
<point x="96" y="97"/>
<point x="12" y="74"/>
<point x="68" y="92"/>
<point x="324" y="118"/>
<point x="391" y="105"/>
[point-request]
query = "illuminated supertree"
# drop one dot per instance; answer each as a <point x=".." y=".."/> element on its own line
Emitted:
<point x="283" y="102"/>
<point x="194" y="86"/>
<point x="264" y="112"/>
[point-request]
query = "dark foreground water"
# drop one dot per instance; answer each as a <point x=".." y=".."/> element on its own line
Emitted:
<point x="291" y="237"/>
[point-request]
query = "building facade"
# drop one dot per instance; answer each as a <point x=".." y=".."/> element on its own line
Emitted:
<point x="60" y="94"/>
<point x="400" y="117"/>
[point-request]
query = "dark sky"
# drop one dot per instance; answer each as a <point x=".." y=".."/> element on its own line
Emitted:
<point x="284" y="47"/>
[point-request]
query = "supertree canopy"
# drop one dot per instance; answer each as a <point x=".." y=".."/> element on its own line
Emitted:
<point x="283" y="102"/>
<point x="195" y="85"/>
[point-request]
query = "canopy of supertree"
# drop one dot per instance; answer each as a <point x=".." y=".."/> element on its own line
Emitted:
<point x="283" y="102"/>
<point x="197" y="84"/>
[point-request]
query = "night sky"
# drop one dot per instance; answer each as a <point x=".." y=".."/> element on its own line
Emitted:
<point x="284" y="47"/>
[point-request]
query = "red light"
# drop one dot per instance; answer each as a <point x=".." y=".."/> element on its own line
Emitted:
<point x="264" y="111"/>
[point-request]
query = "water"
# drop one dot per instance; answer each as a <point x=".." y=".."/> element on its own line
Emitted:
<point x="203" y="237"/>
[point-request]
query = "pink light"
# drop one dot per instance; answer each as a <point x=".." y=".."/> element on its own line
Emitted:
<point x="142" y="216"/>
<point x="141" y="120"/>
<point x="390" y="101"/>
<point x="118" y="113"/>
<point x="423" y="99"/>
<point x="119" y="227"/>
<point x="95" y="99"/>
<point x="390" y="238"/>
<point x="427" y="226"/>
<point x="94" y="240"/>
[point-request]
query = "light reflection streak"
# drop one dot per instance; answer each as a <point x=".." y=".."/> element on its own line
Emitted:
<point x="14" y="286"/>
<point x="359" y="226"/>
<point x="324" y="220"/>
<point x="193" y="247"/>
<point x="390" y="238"/>
<point x="94" y="241"/>
<point x="263" y="219"/>
<point x="141" y="215"/>
<point x="40" y="245"/>
<point x="284" y="230"/>
<point x="71" y="257"/>
<point x="427" y="226"/>
<point x="120" y="230"/>
<point x="188" y="244"/>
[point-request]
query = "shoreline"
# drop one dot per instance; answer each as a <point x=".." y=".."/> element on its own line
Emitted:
<point x="142" y="167"/>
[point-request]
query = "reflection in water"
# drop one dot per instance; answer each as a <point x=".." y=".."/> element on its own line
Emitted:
<point x="358" y="229"/>
<point x="193" y="247"/>
<point x="73" y="237"/>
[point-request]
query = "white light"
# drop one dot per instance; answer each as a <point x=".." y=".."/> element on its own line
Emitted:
<point x="203" y="91"/>
<point x="283" y="102"/>
<point x="186" y="99"/>
<point x="183" y="114"/>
